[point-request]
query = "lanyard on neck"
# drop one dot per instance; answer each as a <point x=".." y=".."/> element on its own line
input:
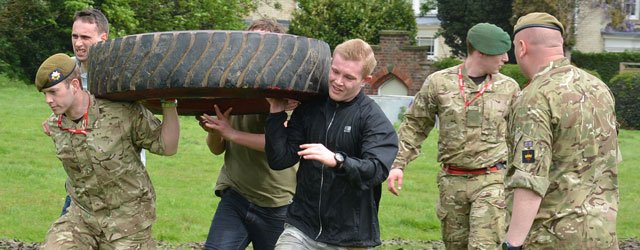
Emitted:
<point x="85" y="122"/>
<point x="461" y="85"/>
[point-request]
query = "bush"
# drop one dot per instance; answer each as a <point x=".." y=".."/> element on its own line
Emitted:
<point x="625" y="87"/>
<point x="513" y="71"/>
<point x="510" y="70"/>
<point x="446" y="62"/>
<point x="403" y="110"/>
<point x="7" y="80"/>
<point x="594" y="73"/>
<point x="607" y="64"/>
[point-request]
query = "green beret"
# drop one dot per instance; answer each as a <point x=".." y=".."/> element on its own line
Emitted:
<point x="54" y="70"/>
<point x="489" y="39"/>
<point x="539" y="20"/>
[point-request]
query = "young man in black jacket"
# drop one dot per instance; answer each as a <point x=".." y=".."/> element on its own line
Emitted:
<point x="345" y="145"/>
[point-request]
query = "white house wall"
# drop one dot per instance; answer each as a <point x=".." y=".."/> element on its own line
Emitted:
<point x="589" y="23"/>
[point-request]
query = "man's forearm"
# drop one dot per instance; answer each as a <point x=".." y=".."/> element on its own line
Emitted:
<point x="170" y="130"/>
<point x="525" y="208"/>
<point x="250" y="140"/>
<point x="215" y="143"/>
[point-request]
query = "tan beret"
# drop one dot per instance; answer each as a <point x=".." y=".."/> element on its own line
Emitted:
<point x="54" y="70"/>
<point x="538" y="20"/>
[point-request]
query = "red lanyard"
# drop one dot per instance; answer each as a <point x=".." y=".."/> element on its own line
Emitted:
<point x="85" y="122"/>
<point x="461" y="84"/>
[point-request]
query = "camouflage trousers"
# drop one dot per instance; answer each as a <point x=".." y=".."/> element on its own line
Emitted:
<point x="574" y="232"/>
<point x="71" y="231"/>
<point x="472" y="210"/>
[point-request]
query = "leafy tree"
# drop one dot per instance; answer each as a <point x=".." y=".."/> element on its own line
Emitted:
<point x="563" y="10"/>
<point x="337" y="21"/>
<point x="32" y="30"/>
<point x="426" y="6"/>
<point x="140" y="16"/>
<point x="458" y="16"/>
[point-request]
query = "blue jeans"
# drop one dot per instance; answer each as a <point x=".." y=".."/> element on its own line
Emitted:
<point x="237" y="222"/>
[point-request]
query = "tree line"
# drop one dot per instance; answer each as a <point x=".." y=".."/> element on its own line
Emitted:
<point x="31" y="30"/>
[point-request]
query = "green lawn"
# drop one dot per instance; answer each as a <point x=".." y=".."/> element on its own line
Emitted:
<point x="32" y="181"/>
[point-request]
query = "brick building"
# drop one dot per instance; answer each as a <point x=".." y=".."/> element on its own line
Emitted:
<point x="593" y="35"/>
<point x="402" y="67"/>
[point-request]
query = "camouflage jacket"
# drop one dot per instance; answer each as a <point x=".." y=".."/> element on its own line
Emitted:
<point x="564" y="146"/>
<point x="472" y="137"/>
<point x="106" y="177"/>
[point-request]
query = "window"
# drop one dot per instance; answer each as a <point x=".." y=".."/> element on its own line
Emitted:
<point x="429" y="42"/>
<point x="393" y="86"/>
<point x="633" y="8"/>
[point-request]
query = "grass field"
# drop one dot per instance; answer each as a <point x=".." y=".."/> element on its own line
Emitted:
<point x="32" y="181"/>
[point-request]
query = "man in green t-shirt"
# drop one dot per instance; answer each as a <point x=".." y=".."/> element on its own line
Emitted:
<point x="254" y="197"/>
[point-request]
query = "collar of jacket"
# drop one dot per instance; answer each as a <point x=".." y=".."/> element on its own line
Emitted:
<point x="359" y="96"/>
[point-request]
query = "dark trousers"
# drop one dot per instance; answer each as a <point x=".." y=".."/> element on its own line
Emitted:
<point x="237" y="222"/>
<point x="67" y="202"/>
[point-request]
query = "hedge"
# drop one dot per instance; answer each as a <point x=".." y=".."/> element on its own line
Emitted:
<point x="607" y="64"/>
<point x="510" y="70"/>
<point x="625" y="86"/>
<point x="594" y="73"/>
<point x="446" y="62"/>
<point x="513" y="71"/>
<point x="626" y="89"/>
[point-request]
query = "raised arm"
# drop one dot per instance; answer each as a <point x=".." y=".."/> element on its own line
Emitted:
<point x="282" y="142"/>
<point x="170" y="127"/>
<point x="220" y="130"/>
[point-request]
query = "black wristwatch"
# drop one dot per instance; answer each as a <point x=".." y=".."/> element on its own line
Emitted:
<point x="507" y="246"/>
<point x="339" y="159"/>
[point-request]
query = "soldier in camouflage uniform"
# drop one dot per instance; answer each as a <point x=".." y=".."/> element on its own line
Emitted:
<point x="471" y="101"/>
<point x="99" y="143"/>
<point x="90" y="26"/>
<point x="563" y="148"/>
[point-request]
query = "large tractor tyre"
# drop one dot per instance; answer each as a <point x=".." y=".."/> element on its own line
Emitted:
<point x="201" y="68"/>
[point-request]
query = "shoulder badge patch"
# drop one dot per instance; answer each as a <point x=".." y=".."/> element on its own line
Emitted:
<point x="528" y="144"/>
<point x="528" y="156"/>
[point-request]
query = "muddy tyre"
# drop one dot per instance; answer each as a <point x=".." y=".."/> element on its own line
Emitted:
<point x="201" y="68"/>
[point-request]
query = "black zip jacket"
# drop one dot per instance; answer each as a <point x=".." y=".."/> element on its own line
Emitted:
<point x="335" y="206"/>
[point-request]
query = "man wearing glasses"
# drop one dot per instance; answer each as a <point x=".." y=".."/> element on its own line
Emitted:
<point x="99" y="142"/>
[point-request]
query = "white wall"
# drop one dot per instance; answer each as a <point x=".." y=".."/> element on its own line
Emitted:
<point x="391" y="104"/>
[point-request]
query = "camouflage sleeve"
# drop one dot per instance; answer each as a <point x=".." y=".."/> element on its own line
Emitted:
<point x="146" y="129"/>
<point x="418" y="122"/>
<point x="515" y="90"/>
<point x="531" y="145"/>
<point x="52" y="122"/>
